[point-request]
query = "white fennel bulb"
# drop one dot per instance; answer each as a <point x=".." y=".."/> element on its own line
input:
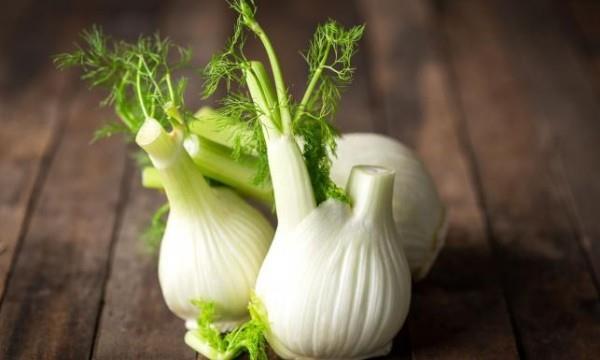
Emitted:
<point x="337" y="285"/>
<point x="214" y="242"/>
<point x="419" y="214"/>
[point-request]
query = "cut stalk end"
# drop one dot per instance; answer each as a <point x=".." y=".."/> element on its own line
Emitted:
<point x="160" y="145"/>
<point x="371" y="189"/>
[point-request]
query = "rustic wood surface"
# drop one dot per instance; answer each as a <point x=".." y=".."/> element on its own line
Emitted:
<point x="500" y="98"/>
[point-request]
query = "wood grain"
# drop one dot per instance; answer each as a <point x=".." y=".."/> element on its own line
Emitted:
<point x="458" y="311"/>
<point x="564" y="90"/>
<point x="546" y="279"/>
<point x="30" y="125"/>
<point x="30" y="94"/>
<point x="50" y="306"/>
<point x="581" y="19"/>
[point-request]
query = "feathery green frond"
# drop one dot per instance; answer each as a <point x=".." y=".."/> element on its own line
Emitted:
<point x="227" y="65"/>
<point x="137" y="75"/>
<point x="329" y="59"/>
<point x="319" y="138"/>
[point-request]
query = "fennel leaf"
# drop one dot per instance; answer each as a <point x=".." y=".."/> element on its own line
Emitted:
<point x="329" y="59"/>
<point x="138" y="77"/>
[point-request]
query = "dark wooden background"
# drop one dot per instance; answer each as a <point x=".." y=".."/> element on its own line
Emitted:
<point x="500" y="98"/>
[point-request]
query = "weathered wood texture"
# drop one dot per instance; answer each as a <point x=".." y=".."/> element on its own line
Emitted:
<point x="582" y="24"/>
<point x="546" y="279"/>
<point x="556" y="79"/>
<point x="30" y="95"/>
<point x="499" y="98"/>
<point x="30" y="127"/>
<point x="52" y="300"/>
<point x="573" y="112"/>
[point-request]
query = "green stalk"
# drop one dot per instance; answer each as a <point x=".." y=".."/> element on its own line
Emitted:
<point x="270" y="128"/>
<point x="208" y="124"/>
<point x="294" y="197"/>
<point x="215" y="162"/>
<point x="311" y="85"/>
<point x="282" y="95"/>
<point x="292" y="187"/>
<point x="138" y="88"/>
<point x="186" y="188"/>
<point x="267" y="90"/>
<point x="211" y="125"/>
<point x="371" y="189"/>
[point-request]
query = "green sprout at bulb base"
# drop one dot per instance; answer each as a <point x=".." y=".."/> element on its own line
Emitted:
<point x="248" y="337"/>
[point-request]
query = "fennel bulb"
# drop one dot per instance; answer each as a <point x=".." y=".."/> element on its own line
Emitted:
<point x="419" y="214"/>
<point x="214" y="242"/>
<point x="337" y="285"/>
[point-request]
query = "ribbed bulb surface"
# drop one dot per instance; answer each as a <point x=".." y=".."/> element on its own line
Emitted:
<point x="337" y="286"/>
<point x="419" y="214"/>
<point x="214" y="242"/>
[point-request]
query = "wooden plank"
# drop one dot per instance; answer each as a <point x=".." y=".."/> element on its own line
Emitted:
<point x="50" y="306"/>
<point x="30" y="126"/>
<point x="582" y="18"/>
<point x="135" y="323"/>
<point x="545" y="277"/>
<point x="559" y="82"/>
<point x="458" y="311"/>
<point x="29" y="98"/>
<point x="30" y="33"/>
<point x="584" y="196"/>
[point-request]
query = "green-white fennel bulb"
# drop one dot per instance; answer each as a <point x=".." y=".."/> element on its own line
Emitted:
<point x="419" y="214"/>
<point x="214" y="242"/>
<point x="336" y="283"/>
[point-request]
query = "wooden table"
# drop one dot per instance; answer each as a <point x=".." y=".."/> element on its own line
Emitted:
<point x="500" y="98"/>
